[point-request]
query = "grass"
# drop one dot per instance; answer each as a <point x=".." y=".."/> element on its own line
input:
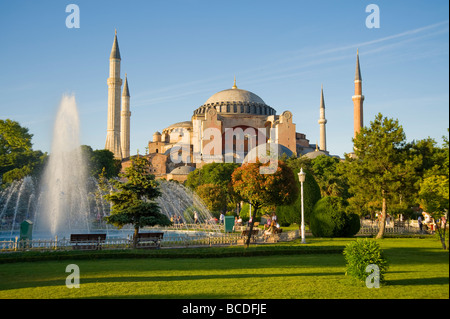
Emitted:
<point x="419" y="269"/>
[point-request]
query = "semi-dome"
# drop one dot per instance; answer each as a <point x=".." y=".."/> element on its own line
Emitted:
<point x="185" y="124"/>
<point x="315" y="154"/>
<point x="236" y="101"/>
<point x="182" y="170"/>
<point x="265" y="152"/>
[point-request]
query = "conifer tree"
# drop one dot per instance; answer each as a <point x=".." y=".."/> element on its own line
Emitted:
<point x="133" y="200"/>
<point x="381" y="169"/>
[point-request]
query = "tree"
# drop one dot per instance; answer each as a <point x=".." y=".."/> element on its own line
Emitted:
<point x="99" y="161"/>
<point x="14" y="138"/>
<point x="279" y="188"/>
<point x="434" y="197"/>
<point x="434" y="189"/>
<point x="433" y="158"/>
<point x="381" y="169"/>
<point x="214" y="196"/>
<point x="133" y="200"/>
<point x="212" y="173"/>
<point x="218" y="174"/>
<point x="327" y="174"/>
<point x="105" y="159"/>
<point x="17" y="158"/>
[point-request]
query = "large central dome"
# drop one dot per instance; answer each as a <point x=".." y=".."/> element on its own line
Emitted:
<point x="236" y="101"/>
<point x="235" y="95"/>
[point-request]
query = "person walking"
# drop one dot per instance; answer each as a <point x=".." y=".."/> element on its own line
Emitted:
<point x="419" y="221"/>
<point x="195" y="217"/>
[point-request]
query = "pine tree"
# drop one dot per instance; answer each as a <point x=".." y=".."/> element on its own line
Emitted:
<point x="381" y="170"/>
<point x="133" y="199"/>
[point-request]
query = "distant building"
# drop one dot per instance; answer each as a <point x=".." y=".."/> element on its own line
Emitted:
<point x="234" y="120"/>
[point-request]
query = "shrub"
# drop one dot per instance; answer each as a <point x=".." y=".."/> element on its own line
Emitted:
<point x="330" y="218"/>
<point x="353" y="224"/>
<point x="361" y="253"/>
<point x="289" y="214"/>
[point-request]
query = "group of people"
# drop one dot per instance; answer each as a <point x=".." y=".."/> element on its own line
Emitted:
<point x="176" y="220"/>
<point x="272" y="226"/>
<point x="428" y="223"/>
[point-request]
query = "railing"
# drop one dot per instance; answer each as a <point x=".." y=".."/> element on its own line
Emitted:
<point x="369" y="227"/>
<point x="171" y="240"/>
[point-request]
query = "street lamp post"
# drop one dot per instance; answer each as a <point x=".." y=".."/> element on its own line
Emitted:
<point x="301" y="178"/>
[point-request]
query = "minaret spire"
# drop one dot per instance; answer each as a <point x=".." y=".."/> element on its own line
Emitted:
<point x="114" y="84"/>
<point x="115" y="52"/>
<point x="125" y="120"/>
<point x="358" y="99"/>
<point x="322" y="122"/>
<point x="358" y="70"/>
<point x="126" y="91"/>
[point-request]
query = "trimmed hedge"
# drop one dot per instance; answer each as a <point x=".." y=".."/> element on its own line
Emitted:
<point x="211" y="252"/>
<point x="290" y="214"/>
<point x="330" y="219"/>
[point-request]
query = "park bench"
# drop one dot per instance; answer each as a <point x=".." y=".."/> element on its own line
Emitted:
<point x="245" y="233"/>
<point x="87" y="241"/>
<point x="149" y="240"/>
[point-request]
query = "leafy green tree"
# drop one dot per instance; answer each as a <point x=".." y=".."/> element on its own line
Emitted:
<point x="99" y="161"/>
<point x="382" y="169"/>
<point x="218" y="174"/>
<point x="279" y="188"/>
<point x="14" y="138"/>
<point x="433" y="158"/>
<point x="328" y="176"/>
<point x="133" y="200"/>
<point x="212" y="173"/>
<point x="105" y="159"/>
<point x="214" y="196"/>
<point x="434" y="191"/>
<point x="17" y="158"/>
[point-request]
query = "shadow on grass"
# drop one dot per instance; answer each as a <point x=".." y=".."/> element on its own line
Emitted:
<point x="418" y="281"/>
<point x="171" y="278"/>
<point x="416" y="255"/>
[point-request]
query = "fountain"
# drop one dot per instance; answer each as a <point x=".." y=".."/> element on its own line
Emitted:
<point x="63" y="201"/>
<point x="177" y="200"/>
<point x="66" y="200"/>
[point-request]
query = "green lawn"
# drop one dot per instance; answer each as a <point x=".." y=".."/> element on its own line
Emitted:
<point x="419" y="269"/>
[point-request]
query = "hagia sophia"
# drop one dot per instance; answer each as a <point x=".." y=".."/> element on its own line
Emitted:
<point x="236" y="121"/>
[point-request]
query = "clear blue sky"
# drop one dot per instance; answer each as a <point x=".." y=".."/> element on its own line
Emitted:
<point x="179" y="53"/>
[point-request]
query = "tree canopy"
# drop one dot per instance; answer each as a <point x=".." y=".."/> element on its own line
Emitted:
<point x="99" y="161"/>
<point x="434" y="188"/>
<point x="264" y="189"/>
<point x="381" y="169"/>
<point x="17" y="157"/>
<point x="212" y="183"/>
<point x="133" y="198"/>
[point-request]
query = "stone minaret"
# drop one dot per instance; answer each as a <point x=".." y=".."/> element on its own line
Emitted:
<point x="322" y="122"/>
<point x="358" y="100"/>
<point x="125" y="120"/>
<point x="114" y="85"/>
